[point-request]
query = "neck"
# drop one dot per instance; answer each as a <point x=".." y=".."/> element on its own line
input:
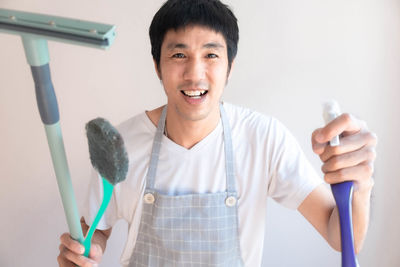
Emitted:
<point x="188" y="133"/>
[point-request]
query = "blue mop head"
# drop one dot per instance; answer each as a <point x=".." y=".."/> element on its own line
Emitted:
<point x="107" y="151"/>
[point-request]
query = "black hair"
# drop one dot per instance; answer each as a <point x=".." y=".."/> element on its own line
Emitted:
<point x="177" y="14"/>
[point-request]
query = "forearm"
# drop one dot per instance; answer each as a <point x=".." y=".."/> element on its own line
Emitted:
<point x="360" y="217"/>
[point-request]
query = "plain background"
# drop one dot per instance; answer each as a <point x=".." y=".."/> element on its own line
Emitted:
<point x="293" y="55"/>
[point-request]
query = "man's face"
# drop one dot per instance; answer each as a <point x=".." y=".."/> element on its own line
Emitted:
<point x="194" y="70"/>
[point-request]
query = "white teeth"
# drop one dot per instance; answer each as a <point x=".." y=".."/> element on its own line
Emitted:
<point x="194" y="92"/>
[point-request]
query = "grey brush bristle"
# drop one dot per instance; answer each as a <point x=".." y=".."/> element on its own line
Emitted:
<point x="107" y="151"/>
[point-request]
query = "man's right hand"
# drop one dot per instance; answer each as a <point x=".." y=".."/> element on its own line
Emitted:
<point x="71" y="253"/>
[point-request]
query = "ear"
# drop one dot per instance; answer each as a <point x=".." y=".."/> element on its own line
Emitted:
<point x="156" y="67"/>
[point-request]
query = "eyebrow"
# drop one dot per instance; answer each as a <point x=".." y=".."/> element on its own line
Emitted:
<point x="173" y="46"/>
<point x="213" y="45"/>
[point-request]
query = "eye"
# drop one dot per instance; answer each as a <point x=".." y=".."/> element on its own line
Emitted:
<point x="211" y="55"/>
<point x="178" y="55"/>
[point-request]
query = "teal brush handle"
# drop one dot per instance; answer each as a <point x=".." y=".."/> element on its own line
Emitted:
<point x="107" y="193"/>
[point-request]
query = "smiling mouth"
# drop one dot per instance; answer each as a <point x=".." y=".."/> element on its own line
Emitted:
<point x="194" y="93"/>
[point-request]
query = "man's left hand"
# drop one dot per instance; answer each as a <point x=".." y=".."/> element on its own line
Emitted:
<point x="353" y="159"/>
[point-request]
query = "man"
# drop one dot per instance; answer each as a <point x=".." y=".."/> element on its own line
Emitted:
<point x="201" y="171"/>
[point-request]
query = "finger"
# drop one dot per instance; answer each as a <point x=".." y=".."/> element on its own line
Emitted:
<point x="349" y="159"/>
<point x="362" y="171"/>
<point x="317" y="147"/>
<point x="79" y="260"/>
<point x="96" y="252"/>
<point x="71" y="244"/>
<point x="348" y="144"/>
<point x="63" y="262"/>
<point x="344" y="124"/>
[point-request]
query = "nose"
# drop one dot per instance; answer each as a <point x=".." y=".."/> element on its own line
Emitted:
<point x="194" y="70"/>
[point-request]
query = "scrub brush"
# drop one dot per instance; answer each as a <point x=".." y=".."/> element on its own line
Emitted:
<point x="109" y="157"/>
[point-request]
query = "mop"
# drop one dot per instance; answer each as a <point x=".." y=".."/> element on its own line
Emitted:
<point x="35" y="30"/>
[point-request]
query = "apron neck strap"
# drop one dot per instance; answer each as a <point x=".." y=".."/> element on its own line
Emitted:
<point x="229" y="163"/>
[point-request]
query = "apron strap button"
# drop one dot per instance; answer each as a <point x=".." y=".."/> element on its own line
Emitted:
<point x="230" y="201"/>
<point x="149" y="198"/>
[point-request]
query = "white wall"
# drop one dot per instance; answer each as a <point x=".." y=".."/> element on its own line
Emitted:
<point x="293" y="54"/>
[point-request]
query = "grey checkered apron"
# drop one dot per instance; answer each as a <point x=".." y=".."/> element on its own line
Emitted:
<point x="195" y="230"/>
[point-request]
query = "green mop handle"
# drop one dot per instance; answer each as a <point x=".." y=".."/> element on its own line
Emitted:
<point x="38" y="58"/>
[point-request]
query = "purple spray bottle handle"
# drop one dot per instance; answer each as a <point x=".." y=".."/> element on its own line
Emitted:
<point x="343" y="193"/>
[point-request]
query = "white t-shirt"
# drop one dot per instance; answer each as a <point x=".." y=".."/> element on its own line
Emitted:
<point x="268" y="161"/>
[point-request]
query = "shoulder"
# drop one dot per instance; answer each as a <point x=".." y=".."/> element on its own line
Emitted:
<point x="154" y="115"/>
<point x="137" y="132"/>
<point x="246" y="119"/>
<point x="258" y="131"/>
<point x="144" y="121"/>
